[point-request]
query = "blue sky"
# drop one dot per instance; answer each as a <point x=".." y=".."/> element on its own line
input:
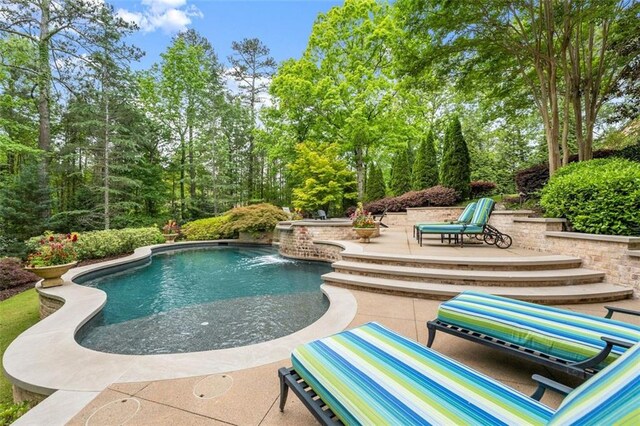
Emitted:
<point x="283" y="25"/>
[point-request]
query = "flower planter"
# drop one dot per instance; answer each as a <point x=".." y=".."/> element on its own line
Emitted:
<point x="364" y="233"/>
<point x="51" y="274"/>
<point x="170" y="238"/>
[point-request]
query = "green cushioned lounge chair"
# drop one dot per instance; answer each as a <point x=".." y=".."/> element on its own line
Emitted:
<point x="477" y="226"/>
<point x="373" y="376"/>
<point x="465" y="217"/>
<point x="562" y="339"/>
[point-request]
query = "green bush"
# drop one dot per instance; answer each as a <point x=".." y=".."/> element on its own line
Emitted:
<point x="112" y="242"/>
<point x="254" y="219"/>
<point x="210" y="228"/>
<point x="597" y="196"/>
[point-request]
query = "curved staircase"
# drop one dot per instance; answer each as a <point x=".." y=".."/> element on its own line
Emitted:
<point x="550" y="279"/>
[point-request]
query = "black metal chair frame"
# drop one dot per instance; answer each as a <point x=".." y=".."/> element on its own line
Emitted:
<point x="583" y="369"/>
<point x="289" y="379"/>
<point x="382" y="216"/>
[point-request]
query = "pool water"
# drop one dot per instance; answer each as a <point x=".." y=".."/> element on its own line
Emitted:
<point x="197" y="300"/>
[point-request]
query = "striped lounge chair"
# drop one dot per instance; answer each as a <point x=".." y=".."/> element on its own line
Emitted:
<point x="465" y="217"/>
<point x="575" y="343"/>
<point x="478" y="226"/>
<point x="372" y="376"/>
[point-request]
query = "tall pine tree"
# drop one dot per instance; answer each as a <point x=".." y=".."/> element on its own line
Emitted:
<point x="425" y="167"/>
<point x="400" y="173"/>
<point x="455" y="168"/>
<point x="376" y="187"/>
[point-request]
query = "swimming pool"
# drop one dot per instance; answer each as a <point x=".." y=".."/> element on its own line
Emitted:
<point x="204" y="299"/>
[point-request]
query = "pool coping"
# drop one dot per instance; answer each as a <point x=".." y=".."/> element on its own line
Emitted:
<point x="46" y="358"/>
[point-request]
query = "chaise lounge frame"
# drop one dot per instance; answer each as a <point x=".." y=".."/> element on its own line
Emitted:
<point x="583" y="369"/>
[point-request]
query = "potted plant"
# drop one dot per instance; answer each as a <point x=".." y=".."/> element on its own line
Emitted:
<point x="363" y="224"/>
<point x="171" y="231"/>
<point x="55" y="255"/>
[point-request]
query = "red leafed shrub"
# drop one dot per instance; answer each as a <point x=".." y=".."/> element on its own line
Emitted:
<point x="12" y="274"/>
<point x="480" y="188"/>
<point x="434" y="196"/>
<point x="441" y="196"/>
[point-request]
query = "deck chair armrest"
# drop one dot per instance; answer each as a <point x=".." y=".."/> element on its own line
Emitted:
<point x="616" y="342"/>
<point x="545" y="383"/>
<point x="612" y="309"/>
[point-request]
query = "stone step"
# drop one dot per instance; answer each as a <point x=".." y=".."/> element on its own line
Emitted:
<point x="581" y="293"/>
<point x="554" y="277"/>
<point x="505" y="263"/>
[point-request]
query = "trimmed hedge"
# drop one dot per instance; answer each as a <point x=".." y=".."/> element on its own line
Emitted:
<point x="480" y="188"/>
<point x="532" y="179"/>
<point x="210" y="228"/>
<point x="597" y="196"/>
<point x="13" y="275"/>
<point x="434" y="196"/>
<point x="112" y="242"/>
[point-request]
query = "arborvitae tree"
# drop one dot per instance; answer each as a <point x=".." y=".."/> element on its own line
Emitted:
<point x="425" y="167"/>
<point x="376" y="187"/>
<point x="455" y="168"/>
<point x="400" y="173"/>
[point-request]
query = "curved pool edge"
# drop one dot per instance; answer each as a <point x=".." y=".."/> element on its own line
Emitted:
<point x="46" y="357"/>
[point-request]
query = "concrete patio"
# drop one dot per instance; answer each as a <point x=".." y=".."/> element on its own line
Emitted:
<point x="250" y="396"/>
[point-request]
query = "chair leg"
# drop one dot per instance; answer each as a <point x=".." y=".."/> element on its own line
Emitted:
<point x="432" y="334"/>
<point x="284" y="387"/>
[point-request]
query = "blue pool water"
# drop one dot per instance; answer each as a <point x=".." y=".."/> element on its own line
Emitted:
<point x="196" y="300"/>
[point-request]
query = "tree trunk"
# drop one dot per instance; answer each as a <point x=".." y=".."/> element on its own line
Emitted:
<point x="44" y="79"/>
<point x="106" y="157"/>
<point x="183" y="159"/>
<point x="360" y="171"/>
<point x="192" y="167"/>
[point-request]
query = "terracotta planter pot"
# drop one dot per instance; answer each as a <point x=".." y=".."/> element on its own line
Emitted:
<point x="364" y="233"/>
<point x="51" y="274"/>
<point x="170" y="238"/>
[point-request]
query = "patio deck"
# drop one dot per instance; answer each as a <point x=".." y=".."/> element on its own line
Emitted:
<point x="250" y="396"/>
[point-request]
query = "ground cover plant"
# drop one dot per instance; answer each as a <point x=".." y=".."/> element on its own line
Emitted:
<point x="597" y="196"/>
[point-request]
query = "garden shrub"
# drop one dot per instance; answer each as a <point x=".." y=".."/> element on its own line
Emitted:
<point x="210" y="228"/>
<point x="532" y="179"/>
<point x="112" y="242"/>
<point x="254" y="219"/>
<point x="597" y="196"/>
<point x="631" y="152"/>
<point x="400" y="181"/>
<point x="480" y="188"/>
<point x="10" y="412"/>
<point x="434" y="196"/>
<point x="455" y="171"/>
<point x="12" y="274"/>
<point x="375" y="188"/>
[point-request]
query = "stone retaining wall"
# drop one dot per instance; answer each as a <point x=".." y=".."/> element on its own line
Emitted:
<point x="297" y="239"/>
<point x="48" y="305"/>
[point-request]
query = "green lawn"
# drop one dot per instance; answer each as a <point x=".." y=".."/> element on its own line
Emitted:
<point x="16" y="315"/>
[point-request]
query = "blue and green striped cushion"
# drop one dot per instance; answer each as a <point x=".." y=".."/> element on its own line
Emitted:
<point x="564" y="334"/>
<point x="612" y="397"/>
<point x="483" y="211"/>
<point x="450" y="229"/>
<point x="371" y="375"/>
<point x="467" y="213"/>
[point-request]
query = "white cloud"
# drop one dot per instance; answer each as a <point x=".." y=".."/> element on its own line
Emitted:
<point x="169" y="16"/>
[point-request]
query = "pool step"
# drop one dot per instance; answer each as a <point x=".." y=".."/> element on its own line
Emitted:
<point x="467" y="277"/>
<point x="506" y="263"/>
<point x="579" y="293"/>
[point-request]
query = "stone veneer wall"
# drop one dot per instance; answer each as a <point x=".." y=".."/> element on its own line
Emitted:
<point x="297" y="239"/>
<point x="48" y="305"/>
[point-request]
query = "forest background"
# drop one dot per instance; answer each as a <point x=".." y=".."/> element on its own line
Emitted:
<point x="89" y="141"/>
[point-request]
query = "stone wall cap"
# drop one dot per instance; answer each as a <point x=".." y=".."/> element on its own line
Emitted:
<point x="323" y="223"/>
<point x="513" y="212"/>
<point x="540" y="219"/>
<point x="435" y="208"/>
<point x="633" y="253"/>
<point x="594" y="237"/>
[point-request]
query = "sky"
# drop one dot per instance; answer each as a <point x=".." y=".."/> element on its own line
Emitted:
<point x="283" y="25"/>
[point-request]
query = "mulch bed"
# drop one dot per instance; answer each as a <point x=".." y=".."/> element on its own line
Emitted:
<point x="9" y="292"/>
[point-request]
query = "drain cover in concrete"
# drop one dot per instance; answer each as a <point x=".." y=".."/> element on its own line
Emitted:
<point x="213" y="386"/>
<point x="114" y="413"/>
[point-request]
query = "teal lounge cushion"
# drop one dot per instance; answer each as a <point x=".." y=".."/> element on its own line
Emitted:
<point x="611" y="397"/>
<point x="371" y="375"/>
<point x="450" y="229"/>
<point x="564" y="334"/>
